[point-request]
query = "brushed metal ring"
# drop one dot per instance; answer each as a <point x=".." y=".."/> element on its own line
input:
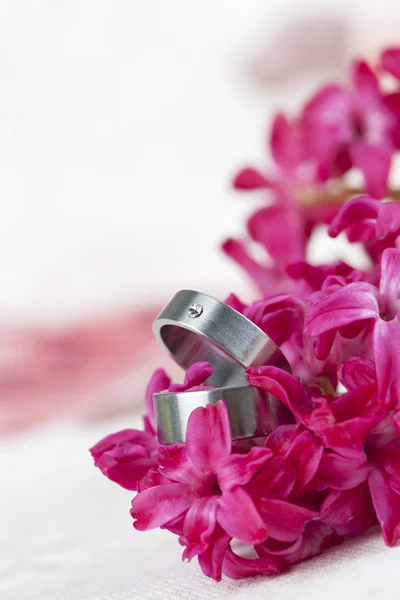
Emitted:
<point x="252" y="412"/>
<point x="195" y="327"/>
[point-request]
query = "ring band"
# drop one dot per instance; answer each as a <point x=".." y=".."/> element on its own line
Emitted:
<point x="195" y="327"/>
<point x="252" y="412"/>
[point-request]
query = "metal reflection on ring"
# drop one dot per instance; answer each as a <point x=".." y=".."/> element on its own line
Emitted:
<point x="252" y="412"/>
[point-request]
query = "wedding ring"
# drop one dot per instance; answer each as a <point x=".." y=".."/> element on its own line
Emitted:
<point x="252" y="412"/>
<point x="195" y="327"/>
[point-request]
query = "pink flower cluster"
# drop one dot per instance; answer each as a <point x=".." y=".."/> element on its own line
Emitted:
<point x="342" y="130"/>
<point x="259" y="506"/>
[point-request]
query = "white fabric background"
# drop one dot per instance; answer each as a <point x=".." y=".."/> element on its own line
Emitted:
<point x="121" y="123"/>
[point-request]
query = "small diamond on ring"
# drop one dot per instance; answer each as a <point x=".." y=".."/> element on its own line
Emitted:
<point x="195" y="310"/>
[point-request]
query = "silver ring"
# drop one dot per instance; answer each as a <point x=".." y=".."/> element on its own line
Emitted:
<point x="252" y="412"/>
<point x="195" y="327"/>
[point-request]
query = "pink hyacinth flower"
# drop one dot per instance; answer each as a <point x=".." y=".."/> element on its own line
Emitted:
<point x="126" y="456"/>
<point x="390" y="61"/>
<point x="287" y="152"/>
<point x="349" y="512"/>
<point x="316" y="537"/>
<point x="285" y="387"/>
<point x="362" y="302"/>
<point x="205" y="487"/>
<point x="283" y="227"/>
<point x="375" y="493"/>
<point x="374" y="223"/>
<point x="360" y="467"/>
<point x="291" y="164"/>
<point x="353" y="127"/>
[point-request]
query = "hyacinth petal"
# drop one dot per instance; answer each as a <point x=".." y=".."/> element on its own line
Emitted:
<point x="126" y="456"/>
<point x="324" y="121"/>
<point x="251" y="179"/>
<point x="358" y="403"/>
<point x="158" y="505"/>
<point x="128" y="475"/>
<point x="388" y="220"/>
<point x="389" y="460"/>
<point x="327" y="104"/>
<point x="349" y="512"/>
<point x="280" y="316"/>
<point x="356" y="372"/>
<point x="121" y="441"/>
<point x="200" y="522"/>
<point x="312" y="275"/>
<point x="387" y="361"/>
<point x="272" y="547"/>
<point x="396" y="421"/>
<point x="239" y="469"/>
<point x="349" y="304"/>
<point x="239" y="567"/>
<point x="174" y="463"/>
<point x="279" y="229"/>
<point x="339" y="472"/>
<point x="364" y="80"/>
<point x="208" y="436"/>
<point x="175" y="526"/>
<point x="390" y="61"/>
<point x="304" y="455"/>
<point x="283" y="386"/>
<point x="195" y="376"/>
<point x="211" y="559"/>
<point x="234" y="302"/>
<point x="344" y="423"/>
<point x="239" y="517"/>
<point x="323" y="344"/>
<point x="315" y="538"/>
<point x="392" y="104"/>
<point x="354" y="211"/>
<point x="280" y="325"/>
<point x="152" y="478"/>
<point x="387" y="506"/>
<point x="390" y="282"/>
<point x="276" y="480"/>
<point x="362" y="231"/>
<point x="374" y="163"/>
<point x="285" y="521"/>
<point x="257" y="311"/>
<point x="351" y="331"/>
<point x="285" y="143"/>
<point x="281" y="439"/>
